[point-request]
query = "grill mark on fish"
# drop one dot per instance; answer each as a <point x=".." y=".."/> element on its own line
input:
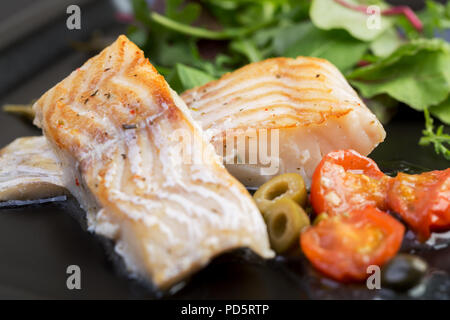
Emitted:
<point x="187" y="221"/>
<point x="263" y="90"/>
<point x="315" y="115"/>
<point x="249" y="71"/>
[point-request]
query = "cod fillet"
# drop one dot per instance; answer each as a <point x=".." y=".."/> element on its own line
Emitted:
<point x="288" y="113"/>
<point x="120" y="135"/>
<point x="29" y="170"/>
<point x="296" y="110"/>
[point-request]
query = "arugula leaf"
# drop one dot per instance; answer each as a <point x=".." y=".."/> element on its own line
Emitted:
<point x="137" y="35"/>
<point x="418" y="74"/>
<point x="188" y="14"/>
<point x="198" y="32"/>
<point x="329" y="14"/>
<point x="247" y="48"/>
<point x="287" y="36"/>
<point x="169" y="53"/>
<point x="141" y="11"/>
<point x="164" y="47"/>
<point x="233" y="13"/>
<point x="415" y="72"/>
<point x="185" y="78"/>
<point x="337" y="46"/>
<point x="438" y="139"/>
<point x="435" y="17"/>
<point x="264" y="40"/>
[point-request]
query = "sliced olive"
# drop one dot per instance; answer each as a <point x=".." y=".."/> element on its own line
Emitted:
<point x="309" y="210"/>
<point x="403" y="272"/>
<point x="285" y="220"/>
<point x="288" y="185"/>
<point x="320" y="218"/>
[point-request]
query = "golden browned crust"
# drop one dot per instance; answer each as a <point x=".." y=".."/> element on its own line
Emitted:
<point x="111" y="123"/>
<point x="305" y="84"/>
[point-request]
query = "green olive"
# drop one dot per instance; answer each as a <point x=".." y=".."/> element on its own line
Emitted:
<point x="320" y="217"/>
<point x="288" y="185"/>
<point x="309" y="210"/>
<point x="285" y="220"/>
<point x="403" y="272"/>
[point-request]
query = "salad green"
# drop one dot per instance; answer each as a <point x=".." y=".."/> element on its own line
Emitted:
<point x="330" y="15"/>
<point x="438" y="139"/>
<point x="400" y="57"/>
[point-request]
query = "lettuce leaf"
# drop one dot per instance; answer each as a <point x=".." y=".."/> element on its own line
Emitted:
<point x="417" y="74"/>
<point x="328" y="14"/>
<point x="337" y="46"/>
<point x="183" y="78"/>
<point x="442" y="111"/>
<point x="387" y="43"/>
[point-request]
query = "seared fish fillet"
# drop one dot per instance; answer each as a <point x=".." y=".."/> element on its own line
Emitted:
<point x="29" y="170"/>
<point x="116" y="127"/>
<point x="307" y="99"/>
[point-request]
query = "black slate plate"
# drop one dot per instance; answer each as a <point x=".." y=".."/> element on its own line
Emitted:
<point x="38" y="243"/>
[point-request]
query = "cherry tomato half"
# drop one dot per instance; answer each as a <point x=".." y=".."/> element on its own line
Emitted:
<point x="345" y="180"/>
<point x="422" y="200"/>
<point x="343" y="246"/>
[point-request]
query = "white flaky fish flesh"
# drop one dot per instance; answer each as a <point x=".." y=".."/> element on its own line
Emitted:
<point x="282" y="115"/>
<point x="287" y="113"/>
<point x="123" y="139"/>
<point x="29" y="170"/>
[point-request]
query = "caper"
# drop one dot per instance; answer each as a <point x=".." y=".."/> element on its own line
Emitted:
<point x="403" y="272"/>
<point x="285" y="220"/>
<point x="288" y="185"/>
<point x="320" y="217"/>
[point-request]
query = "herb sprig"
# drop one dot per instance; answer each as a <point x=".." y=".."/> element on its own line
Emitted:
<point x="439" y="139"/>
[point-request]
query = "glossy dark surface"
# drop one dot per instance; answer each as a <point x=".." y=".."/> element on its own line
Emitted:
<point x="38" y="243"/>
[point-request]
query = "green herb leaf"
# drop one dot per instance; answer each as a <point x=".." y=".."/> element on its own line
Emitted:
<point x="337" y="46"/>
<point x="235" y="13"/>
<point x="435" y="17"/>
<point x="187" y="78"/>
<point x="188" y="14"/>
<point x="418" y="74"/>
<point x="285" y="37"/>
<point x="141" y="11"/>
<point x="386" y="44"/>
<point x="442" y="111"/>
<point x="438" y="139"/>
<point x="329" y="14"/>
<point x="247" y="48"/>
<point x="225" y="34"/>
<point x="137" y="35"/>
